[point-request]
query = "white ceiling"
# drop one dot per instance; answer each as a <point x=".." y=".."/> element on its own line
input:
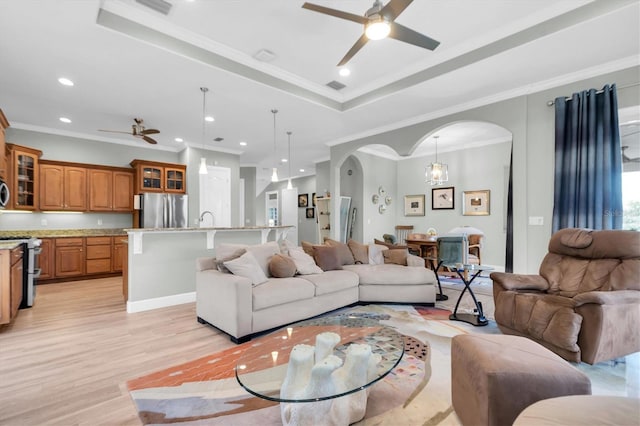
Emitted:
<point x="129" y="61"/>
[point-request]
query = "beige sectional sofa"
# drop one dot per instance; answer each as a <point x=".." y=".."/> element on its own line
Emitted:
<point x="239" y="307"/>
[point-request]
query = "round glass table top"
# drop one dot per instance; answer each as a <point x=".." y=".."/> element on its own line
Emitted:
<point x="262" y="368"/>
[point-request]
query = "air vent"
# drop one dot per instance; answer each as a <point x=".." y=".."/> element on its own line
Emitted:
<point x="336" y="85"/>
<point x="157" y="5"/>
<point x="265" y="55"/>
<point x="218" y="139"/>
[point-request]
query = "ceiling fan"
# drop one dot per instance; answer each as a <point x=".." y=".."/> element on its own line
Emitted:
<point x="139" y="131"/>
<point x="378" y="23"/>
<point x="626" y="158"/>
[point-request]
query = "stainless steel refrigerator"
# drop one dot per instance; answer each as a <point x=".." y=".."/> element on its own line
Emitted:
<point x="164" y="210"/>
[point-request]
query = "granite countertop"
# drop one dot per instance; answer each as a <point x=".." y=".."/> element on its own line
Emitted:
<point x="198" y="229"/>
<point x="58" y="233"/>
<point x="9" y="245"/>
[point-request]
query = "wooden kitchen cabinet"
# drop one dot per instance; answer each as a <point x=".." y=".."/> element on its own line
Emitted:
<point x="10" y="283"/>
<point x="4" y="123"/>
<point x="110" y="190"/>
<point x="159" y="177"/>
<point x="45" y="259"/>
<point x="98" y="255"/>
<point x="23" y="176"/>
<point x="63" y="187"/>
<point x="118" y="251"/>
<point x="69" y="257"/>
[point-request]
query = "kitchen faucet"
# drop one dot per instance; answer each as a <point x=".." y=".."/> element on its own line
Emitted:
<point x="212" y="218"/>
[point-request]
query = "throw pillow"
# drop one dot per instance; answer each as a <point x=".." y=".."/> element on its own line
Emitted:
<point x="305" y="264"/>
<point x="263" y="253"/>
<point x="397" y="256"/>
<point x="281" y="266"/>
<point x="285" y="246"/>
<point x="226" y="252"/>
<point x="247" y="266"/>
<point x="327" y="257"/>
<point x="344" y="253"/>
<point x="307" y="247"/>
<point x="359" y="251"/>
<point x="375" y="254"/>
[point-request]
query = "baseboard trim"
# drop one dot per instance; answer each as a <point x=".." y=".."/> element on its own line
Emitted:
<point x="160" y="302"/>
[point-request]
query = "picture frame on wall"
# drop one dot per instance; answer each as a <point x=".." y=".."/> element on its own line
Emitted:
<point x="476" y="203"/>
<point x="310" y="213"/>
<point x="313" y="200"/>
<point x="303" y="200"/>
<point x="414" y="205"/>
<point x="443" y="198"/>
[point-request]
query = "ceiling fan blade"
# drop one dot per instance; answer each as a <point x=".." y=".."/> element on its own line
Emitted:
<point x="394" y="8"/>
<point x="402" y="33"/>
<point x="149" y="132"/>
<point x="337" y="13"/>
<point x="149" y="140"/>
<point x="354" y="49"/>
<point x="114" y="131"/>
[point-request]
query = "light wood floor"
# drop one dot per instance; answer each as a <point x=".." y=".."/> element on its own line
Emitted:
<point x="66" y="360"/>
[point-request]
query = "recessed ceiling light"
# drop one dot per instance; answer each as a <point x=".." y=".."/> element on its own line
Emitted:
<point x="65" y="120"/>
<point x="209" y="118"/>
<point x="345" y="72"/>
<point x="243" y="143"/>
<point x="65" y="81"/>
<point x="284" y="160"/>
<point x="179" y="140"/>
<point x="301" y="170"/>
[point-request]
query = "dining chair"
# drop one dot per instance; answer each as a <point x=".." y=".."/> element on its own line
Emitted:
<point x="402" y="231"/>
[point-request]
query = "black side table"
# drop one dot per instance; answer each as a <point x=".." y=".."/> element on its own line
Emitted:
<point x="477" y="319"/>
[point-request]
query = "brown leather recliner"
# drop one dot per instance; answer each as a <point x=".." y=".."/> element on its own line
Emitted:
<point x="585" y="304"/>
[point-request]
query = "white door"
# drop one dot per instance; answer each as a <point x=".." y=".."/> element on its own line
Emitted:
<point x="215" y="196"/>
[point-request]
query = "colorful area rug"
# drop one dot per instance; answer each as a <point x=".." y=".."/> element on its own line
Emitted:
<point x="205" y="391"/>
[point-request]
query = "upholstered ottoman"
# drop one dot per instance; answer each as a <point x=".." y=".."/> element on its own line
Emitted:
<point x="495" y="377"/>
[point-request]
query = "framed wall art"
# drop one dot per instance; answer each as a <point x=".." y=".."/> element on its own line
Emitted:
<point x="313" y="199"/>
<point x="303" y="200"/>
<point x="310" y="212"/>
<point x="443" y="198"/>
<point x="414" y="205"/>
<point x="476" y="203"/>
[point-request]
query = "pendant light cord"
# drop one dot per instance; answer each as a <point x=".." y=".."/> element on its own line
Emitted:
<point x="204" y="109"/>
<point x="289" y="154"/>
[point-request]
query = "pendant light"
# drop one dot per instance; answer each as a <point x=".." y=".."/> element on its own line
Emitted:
<point x="289" y="185"/>
<point x="274" y="175"/>
<point x="203" y="161"/>
<point x="437" y="173"/>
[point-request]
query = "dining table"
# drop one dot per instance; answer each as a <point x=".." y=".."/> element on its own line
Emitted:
<point x="429" y="252"/>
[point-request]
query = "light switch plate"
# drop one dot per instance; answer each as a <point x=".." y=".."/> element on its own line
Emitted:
<point x="536" y="220"/>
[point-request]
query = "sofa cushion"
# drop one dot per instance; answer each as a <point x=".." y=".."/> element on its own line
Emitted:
<point x="304" y="263"/>
<point x="327" y="257"/>
<point x="307" y="247"/>
<point x="396" y="256"/>
<point x="359" y="251"/>
<point x="391" y="274"/>
<point x="344" y="252"/>
<point x="281" y="266"/>
<point x="247" y="266"/>
<point x="278" y="291"/>
<point x="332" y="281"/>
<point x="285" y="246"/>
<point x="263" y="253"/>
<point x="375" y="254"/>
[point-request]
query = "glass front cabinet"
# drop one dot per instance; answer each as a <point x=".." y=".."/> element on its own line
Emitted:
<point x="23" y="165"/>
<point x="159" y="177"/>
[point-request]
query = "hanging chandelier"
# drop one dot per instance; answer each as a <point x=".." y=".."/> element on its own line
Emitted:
<point x="274" y="175"/>
<point x="289" y="184"/>
<point x="437" y="173"/>
<point x="203" y="160"/>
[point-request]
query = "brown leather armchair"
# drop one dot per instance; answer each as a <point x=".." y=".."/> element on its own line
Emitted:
<point x="585" y="302"/>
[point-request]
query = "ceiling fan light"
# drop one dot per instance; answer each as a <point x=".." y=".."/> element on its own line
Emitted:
<point x="274" y="175"/>
<point x="203" y="166"/>
<point x="377" y="29"/>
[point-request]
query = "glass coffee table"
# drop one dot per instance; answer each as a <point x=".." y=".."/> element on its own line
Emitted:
<point x="262" y="368"/>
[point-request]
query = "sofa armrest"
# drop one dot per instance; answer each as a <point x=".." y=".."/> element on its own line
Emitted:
<point x="225" y="301"/>
<point x="519" y="281"/>
<point x="608" y="297"/>
<point x="413" y="260"/>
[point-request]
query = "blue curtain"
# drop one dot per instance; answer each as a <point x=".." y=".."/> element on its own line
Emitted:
<point x="588" y="167"/>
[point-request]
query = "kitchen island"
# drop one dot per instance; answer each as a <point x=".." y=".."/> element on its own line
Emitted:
<point x="160" y="268"/>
